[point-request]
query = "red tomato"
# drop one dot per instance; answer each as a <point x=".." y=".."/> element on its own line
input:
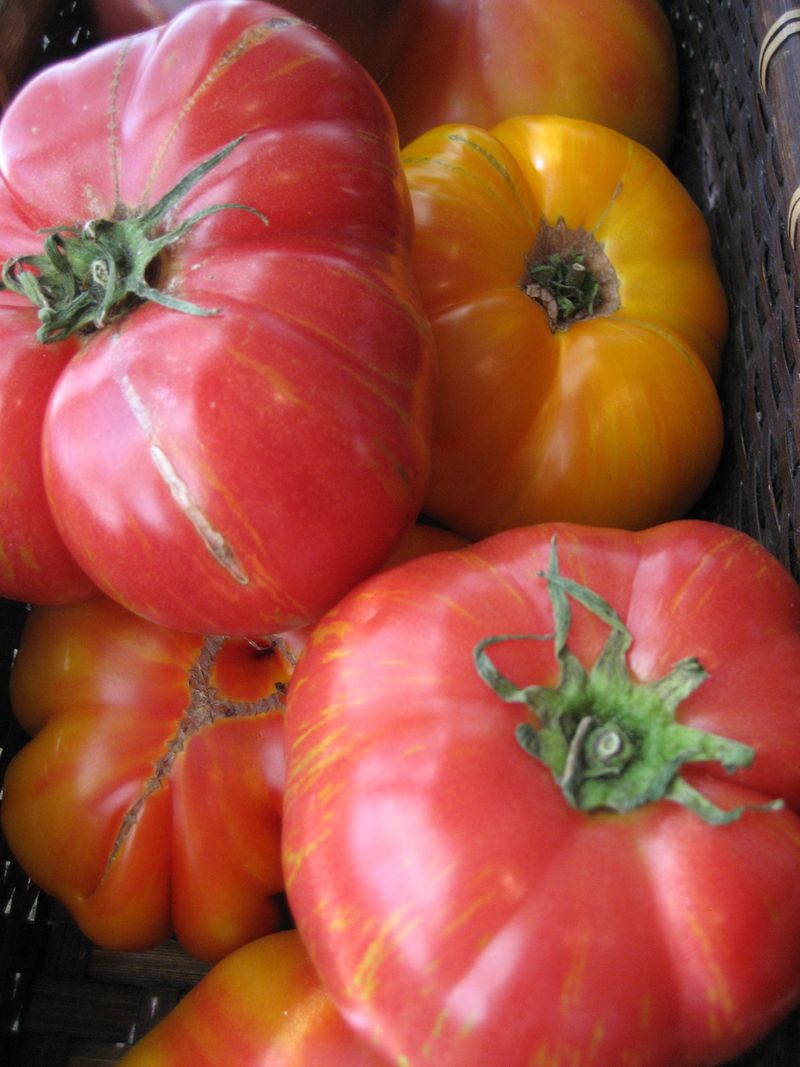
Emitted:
<point x="35" y="564"/>
<point x="233" y="462"/>
<point x="472" y="61"/>
<point x="262" y="1006"/>
<point x="371" y="30"/>
<point x="493" y="851"/>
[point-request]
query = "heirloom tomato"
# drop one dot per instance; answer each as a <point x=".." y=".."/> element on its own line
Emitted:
<point x="370" y="30"/>
<point x="480" y="62"/>
<point x="261" y="1006"/>
<point x="211" y="219"/>
<point x="149" y="799"/>
<point x="579" y="319"/>
<point x="542" y="799"/>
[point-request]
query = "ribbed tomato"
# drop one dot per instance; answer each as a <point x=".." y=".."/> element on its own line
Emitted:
<point x="579" y="320"/>
<point x="241" y="432"/>
<point x="530" y="810"/>
<point x="149" y="799"/>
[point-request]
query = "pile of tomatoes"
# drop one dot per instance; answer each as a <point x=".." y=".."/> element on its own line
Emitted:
<point x="359" y="375"/>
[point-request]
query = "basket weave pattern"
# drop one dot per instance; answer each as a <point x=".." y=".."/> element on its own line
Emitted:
<point x="66" y="1003"/>
<point x="737" y="154"/>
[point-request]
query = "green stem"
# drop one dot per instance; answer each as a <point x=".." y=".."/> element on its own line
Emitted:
<point x="89" y="275"/>
<point x="612" y="743"/>
<point x="571" y="284"/>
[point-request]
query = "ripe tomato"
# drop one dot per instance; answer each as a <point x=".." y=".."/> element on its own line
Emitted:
<point x="150" y="797"/>
<point x="530" y="802"/>
<point x="579" y="320"/>
<point x="370" y="30"/>
<point x="243" y="435"/>
<point x="613" y="63"/>
<point x="262" y="1006"/>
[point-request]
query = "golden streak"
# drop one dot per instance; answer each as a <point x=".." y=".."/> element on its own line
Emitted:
<point x="391" y="933"/>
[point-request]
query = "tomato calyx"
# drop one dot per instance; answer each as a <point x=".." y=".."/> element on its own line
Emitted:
<point x="90" y="275"/>
<point x="610" y="742"/>
<point x="569" y="274"/>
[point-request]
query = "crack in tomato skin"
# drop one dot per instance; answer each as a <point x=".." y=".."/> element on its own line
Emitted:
<point x="213" y="540"/>
<point x="206" y="707"/>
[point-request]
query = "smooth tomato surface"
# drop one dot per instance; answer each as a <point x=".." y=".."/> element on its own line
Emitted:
<point x="459" y="909"/>
<point x="262" y="1006"/>
<point x="371" y="30"/>
<point x="608" y="416"/>
<point x="480" y="62"/>
<point x="238" y="469"/>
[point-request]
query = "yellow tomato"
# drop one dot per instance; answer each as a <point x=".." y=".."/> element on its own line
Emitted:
<point x="579" y="319"/>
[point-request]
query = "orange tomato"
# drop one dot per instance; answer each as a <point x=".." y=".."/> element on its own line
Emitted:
<point x="603" y="409"/>
<point x="262" y="1006"/>
<point x="149" y="800"/>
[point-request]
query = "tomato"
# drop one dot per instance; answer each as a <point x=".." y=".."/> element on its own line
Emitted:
<point x="542" y="799"/>
<point x="371" y="30"/>
<point x="613" y="63"/>
<point x="599" y="406"/>
<point x="262" y="1006"/>
<point x="150" y="797"/>
<point x="243" y="435"/>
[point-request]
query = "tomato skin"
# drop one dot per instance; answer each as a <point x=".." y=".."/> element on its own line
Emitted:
<point x="255" y="464"/>
<point x="468" y="61"/>
<point x="157" y="759"/>
<point x="261" y="1006"/>
<point x="613" y="420"/>
<point x="458" y="909"/>
<point x="35" y="564"/>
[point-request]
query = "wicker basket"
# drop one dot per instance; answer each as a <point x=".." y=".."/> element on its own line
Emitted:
<point x="65" y="1002"/>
